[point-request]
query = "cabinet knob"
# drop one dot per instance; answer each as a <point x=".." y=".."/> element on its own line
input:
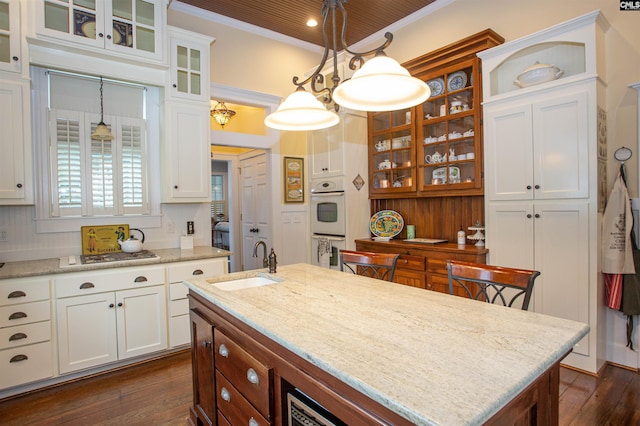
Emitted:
<point x="206" y="343"/>
<point x="119" y="304"/>
<point x="224" y="394"/>
<point x="175" y="186"/>
<point x="100" y="35"/>
<point x="252" y="376"/>
<point x="537" y="215"/>
<point x="174" y="85"/>
<point x="19" y="358"/>
<point x="109" y="37"/>
<point x="16" y="294"/>
<point x="19" y="185"/>
<point x="529" y="216"/>
<point x="537" y="186"/>
<point x="111" y="305"/>
<point x="528" y="186"/>
<point x="87" y="285"/>
<point x="15" y="58"/>
<point x="222" y="350"/>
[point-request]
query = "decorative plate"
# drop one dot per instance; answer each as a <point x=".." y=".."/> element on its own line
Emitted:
<point x="386" y="224"/>
<point x="457" y="80"/>
<point x="437" y="86"/>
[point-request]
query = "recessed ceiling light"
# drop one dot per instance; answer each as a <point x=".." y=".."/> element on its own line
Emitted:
<point x="312" y="23"/>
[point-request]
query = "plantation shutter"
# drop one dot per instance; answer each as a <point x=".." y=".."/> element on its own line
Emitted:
<point x="66" y="153"/>
<point x="134" y="175"/>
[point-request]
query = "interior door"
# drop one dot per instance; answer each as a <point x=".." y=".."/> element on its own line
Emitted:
<point x="256" y="208"/>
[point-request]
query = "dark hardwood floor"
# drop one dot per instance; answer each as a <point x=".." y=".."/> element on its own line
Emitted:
<point x="159" y="393"/>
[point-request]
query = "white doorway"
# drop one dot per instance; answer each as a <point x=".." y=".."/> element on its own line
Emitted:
<point x="256" y="207"/>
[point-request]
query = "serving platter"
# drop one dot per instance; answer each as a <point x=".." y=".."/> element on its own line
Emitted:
<point x="386" y="224"/>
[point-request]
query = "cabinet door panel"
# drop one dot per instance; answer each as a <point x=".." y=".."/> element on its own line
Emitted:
<point x="510" y="234"/>
<point x="561" y="147"/>
<point x="508" y="153"/>
<point x="562" y="253"/>
<point x="142" y="321"/>
<point x="203" y="374"/>
<point x="86" y="331"/>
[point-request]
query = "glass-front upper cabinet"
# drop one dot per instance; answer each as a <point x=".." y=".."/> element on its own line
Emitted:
<point x="392" y="152"/>
<point x="133" y="27"/>
<point x="189" y="64"/>
<point x="10" y="59"/>
<point x="449" y="132"/>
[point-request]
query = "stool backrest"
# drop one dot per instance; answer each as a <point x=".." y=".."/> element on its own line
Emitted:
<point x="374" y="265"/>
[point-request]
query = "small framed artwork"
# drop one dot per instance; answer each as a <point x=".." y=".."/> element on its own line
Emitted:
<point x="293" y="180"/>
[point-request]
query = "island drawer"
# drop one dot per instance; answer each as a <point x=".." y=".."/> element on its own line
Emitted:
<point x="23" y="290"/>
<point x="234" y="407"/>
<point x="89" y="283"/>
<point x="26" y="334"/>
<point x="25" y="364"/>
<point x="248" y="375"/>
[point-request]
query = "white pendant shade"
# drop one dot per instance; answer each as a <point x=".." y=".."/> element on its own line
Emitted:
<point x="382" y="84"/>
<point x="301" y="111"/>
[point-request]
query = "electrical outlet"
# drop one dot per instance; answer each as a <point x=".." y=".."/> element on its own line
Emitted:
<point x="4" y="235"/>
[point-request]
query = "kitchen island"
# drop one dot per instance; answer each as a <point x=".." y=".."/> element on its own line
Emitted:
<point x="376" y="352"/>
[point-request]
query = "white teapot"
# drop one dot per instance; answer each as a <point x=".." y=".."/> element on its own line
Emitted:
<point x="436" y="157"/>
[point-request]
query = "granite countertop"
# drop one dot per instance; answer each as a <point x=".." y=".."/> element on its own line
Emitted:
<point x="432" y="358"/>
<point x="29" y="268"/>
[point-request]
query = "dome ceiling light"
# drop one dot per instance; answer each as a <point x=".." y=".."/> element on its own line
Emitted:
<point x="380" y="84"/>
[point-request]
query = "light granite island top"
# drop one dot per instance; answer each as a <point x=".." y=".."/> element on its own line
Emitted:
<point x="432" y="358"/>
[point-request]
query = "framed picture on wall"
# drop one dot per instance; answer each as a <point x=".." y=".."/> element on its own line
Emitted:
<point x="293" y="180"/>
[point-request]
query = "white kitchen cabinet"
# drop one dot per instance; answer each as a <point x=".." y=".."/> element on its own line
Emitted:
<point x="545" y="165"/>
<point x="25" y="331"/>
<point x="186" y="153"/>
<point x="121" y="27"/>
<point x="327" y="154"/>
<point x="179" y="324"/>
<point x="10" y="54"/>
<point x="538" y="147"/>
<point x="189" y="65"/>
<point x="16" y="162"/>
<point x="97" y="325"/>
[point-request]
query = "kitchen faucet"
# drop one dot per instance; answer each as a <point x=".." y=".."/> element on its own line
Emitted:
<point x="270" y="261"/>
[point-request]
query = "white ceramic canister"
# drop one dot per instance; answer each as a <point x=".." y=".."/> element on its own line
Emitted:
<point x="461" y="236"/>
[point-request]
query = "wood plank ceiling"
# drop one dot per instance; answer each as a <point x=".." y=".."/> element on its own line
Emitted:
<point x="289" y="17"/>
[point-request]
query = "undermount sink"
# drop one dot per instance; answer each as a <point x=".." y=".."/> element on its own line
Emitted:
<point x="243" y="283"/>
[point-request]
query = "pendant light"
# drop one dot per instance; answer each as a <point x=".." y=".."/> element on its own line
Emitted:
<point x="102" y="132"/>
<point x="381" y="84"/>
<point x="222" y="114"/>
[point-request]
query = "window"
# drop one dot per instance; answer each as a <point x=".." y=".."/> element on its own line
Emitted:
<point x="218" y="201"/>
<point x="85" y="179"/>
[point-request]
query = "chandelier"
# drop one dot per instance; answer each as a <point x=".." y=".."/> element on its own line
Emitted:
<point x="102" y="132"/>
<point x="380" y="84"/>
<point x="222" y="114"/>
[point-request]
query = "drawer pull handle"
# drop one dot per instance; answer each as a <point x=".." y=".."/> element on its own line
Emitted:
<point x="17" y="315"/>
<point x="252" y="376"/>
<point x="222" y="350"/>
<point x="17" y="336"/>
<point x="224" y="394"/>
<point x="16" y="294"/>
<point x="85" y="286"/>
<point x="19" y="358"/>
<point x="253" y="422"/>
<point x="197" y="272"/>
<point x="140" y="279"/>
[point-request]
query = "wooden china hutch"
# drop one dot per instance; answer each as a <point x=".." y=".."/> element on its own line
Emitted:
<point x="426" y="163"/>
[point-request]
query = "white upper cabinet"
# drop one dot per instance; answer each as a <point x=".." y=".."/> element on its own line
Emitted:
<point x="538" y="149"/>
<point x="10" y="55"/>
<point x="189" y="72"/>
<point x="123" y="27"/>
